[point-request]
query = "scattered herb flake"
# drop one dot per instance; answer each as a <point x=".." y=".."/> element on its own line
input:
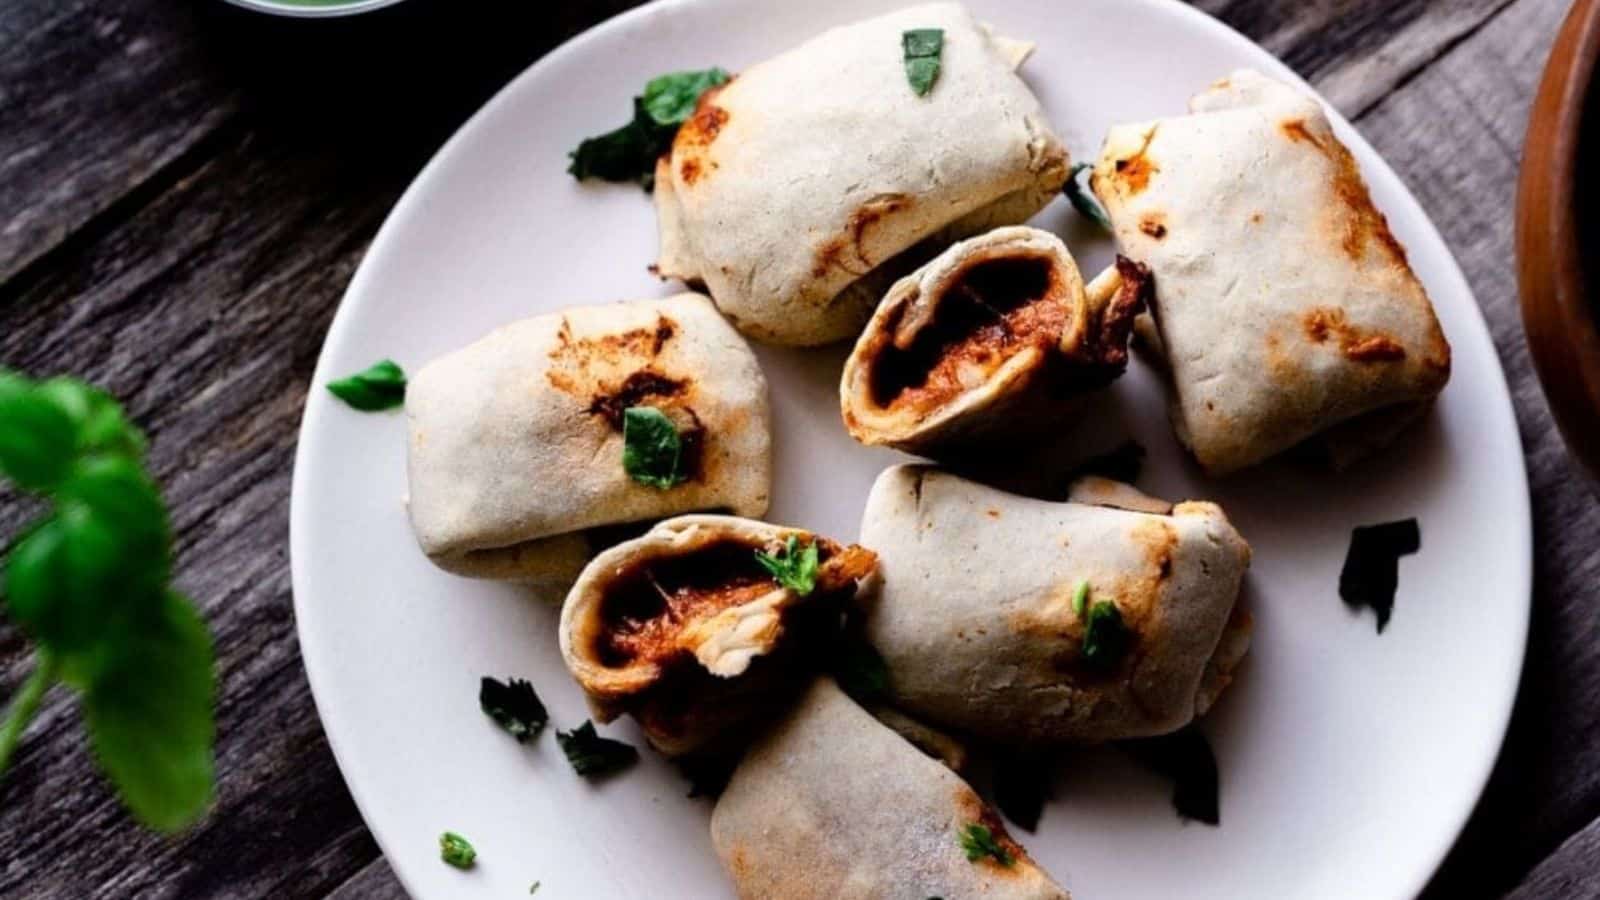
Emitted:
<point x="652" y="449"/>
<point x="923" y="48"/>
<point x="514" y="705"/>
<point x="1080" y="598"/>
<point x="978" y="841"/>
<point x="533" y="888"/>
<point x="1021" y="785"/>
<point x="1371" y="570"/>
<point x="1185" y="757"/>
<point x="860" y="670"/>
<point x="381" y="386"/>
<point x="457" y="851"/>
<point x="1082" y="200"/>
<point x="629" y="153"/>
<point x="591" y="754"/>
<point x="795" y="568"/>
<point x="1105" y="637"/>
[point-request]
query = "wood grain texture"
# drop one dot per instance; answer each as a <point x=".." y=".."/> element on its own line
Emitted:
<point x="1568" y="874"/>
<point x="179" y="227"/>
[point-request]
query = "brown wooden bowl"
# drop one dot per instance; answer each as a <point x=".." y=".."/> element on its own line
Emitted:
<point x="1558" y="233"/>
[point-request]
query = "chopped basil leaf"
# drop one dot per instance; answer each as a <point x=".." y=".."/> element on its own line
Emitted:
<point x="534" y="888"/>
<point x="514" y="705"/>
<point x="381" y="386"/>
<point x="670" y="99"/>
<point x="1080" y="598"/>
<point x="591" y="754"/>
<point x="1021" y="784"/>
<point x="629" y="153"/>
<point x="455" y="850"/>
<point x="922" y="47"/>
<point x="652" y="449"/>
<point x="1083" y="201"/>
<point x="979" y="842"/>
<point x="1121" y="463"/>
<point x="795" y="569"/>
<point x="1371" y="570"/>
<point x="1105" y="637"/>
<point x="1185" y="757"/>
<point x="860" y="670"/>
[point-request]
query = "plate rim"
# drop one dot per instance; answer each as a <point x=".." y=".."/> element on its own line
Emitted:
<point x="1451" y="274"/>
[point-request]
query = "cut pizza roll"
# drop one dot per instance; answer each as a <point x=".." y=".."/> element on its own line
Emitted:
<point x="517" y="457"/>
<point x="1029" y="622"/>
<point x="705" y="624"/>
<point x="995" y="338"/>
<point x="833" y="805"/>
<point x="1285" y="308"/>
<point x="797" y="191"/>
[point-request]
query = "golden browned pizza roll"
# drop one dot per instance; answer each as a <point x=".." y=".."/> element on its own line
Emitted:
<point x="832" y="805"/>
<point x="705" y="623"/>
<point x="518" y="445"/>
<point x="1284" y="306"/>
<point x="995" y="338"/>
<point x="1031" y="622"/>
<point x="794" y="184"/>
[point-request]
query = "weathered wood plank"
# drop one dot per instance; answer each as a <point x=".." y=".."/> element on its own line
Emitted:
<point x="1454" y="132"/>
<point x="1569" y="873"/>
<point x="375" y="882"/>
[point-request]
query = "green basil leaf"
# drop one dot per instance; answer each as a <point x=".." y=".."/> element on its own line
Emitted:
<point x="922" y="48"/>
<point x="149" y="716"/>
<point x="1105" y="637"/>
<point x="592" y="755"/>
<point x="652" y="449"/>
<point x="794" y="567"/>
<point x="457" y="850"/>
<point x="670" y="99"/>
<point x="979" y="842"/>
<point x="38" y="439"/>
<point x="102" y="428"/>
<point x="514" y="705"/>
<point x="1080" y="598"/>
<point x="381" y="386"/>
<point x="1083" y="201"/>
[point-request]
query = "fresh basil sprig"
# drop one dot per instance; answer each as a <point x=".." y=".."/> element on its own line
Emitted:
<point x="380" y="386"/>
<point x="592" y="755"/>
<point x="89" y="582"/>
<point x="514" y="705"/>
<point x="1082" y="201"/>
<point x="922" y="48"/>
<point x="652" y="448"/>
<point x="795" y="567"/>
<point x="629" y="153"/>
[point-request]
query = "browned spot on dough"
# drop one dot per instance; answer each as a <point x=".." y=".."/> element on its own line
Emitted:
<point x="1324" y="323"/>
<point x="1151" y="224"/>
<point x="975" y="812"/>
<point x="598" y="364"/>
<point x="1255" y="218"/>
<point x="689" y="170"/>
<point x="1295" y="130"/>
<point x="832" y="252"/>
<point x="1134" y="171"/>
<point x="645" y="384"/>
<point x="1157" y="539"/>
<point x="1363" y="224"/>
<point x="691" y="148"/>
<point x="992" y="513"/>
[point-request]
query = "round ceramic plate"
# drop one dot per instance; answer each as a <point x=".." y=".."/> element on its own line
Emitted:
<point x="1349" y="759"/>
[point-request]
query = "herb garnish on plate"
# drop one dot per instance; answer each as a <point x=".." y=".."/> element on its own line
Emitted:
<point x="1185" y="757"/>
<point x="1371" y="572"/>
<point x="629" y="153"/>
<point x="1082" y="200"/>
<point x="514" y="705"/>
<point x="923" y="48"/>
<point x="457" y="850"/>
<point x="591" y="754"/>
<point x="380" y="386"/>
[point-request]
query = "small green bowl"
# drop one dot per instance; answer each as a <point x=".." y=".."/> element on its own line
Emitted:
<point x="313" y="8"/>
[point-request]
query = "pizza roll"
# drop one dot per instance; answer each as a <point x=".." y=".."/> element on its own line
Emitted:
<point x="993" y="618"/>
<point x="995" y="338"/>
<point x="687" y="630"/>
<point x="1285" y="308"/>
<point x="832" y="805"/>
<point x="515" y="453"/>
<point x="798" y="190"/>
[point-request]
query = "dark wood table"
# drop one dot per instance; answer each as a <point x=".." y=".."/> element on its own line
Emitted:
<point x="185" y="190"/>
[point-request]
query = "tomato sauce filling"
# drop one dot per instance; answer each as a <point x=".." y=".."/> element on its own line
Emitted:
<point x="646" y="610"/>
<point x="993" y="311"/>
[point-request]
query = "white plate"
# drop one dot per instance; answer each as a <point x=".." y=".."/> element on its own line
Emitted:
<point x="1349" y="760"/>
